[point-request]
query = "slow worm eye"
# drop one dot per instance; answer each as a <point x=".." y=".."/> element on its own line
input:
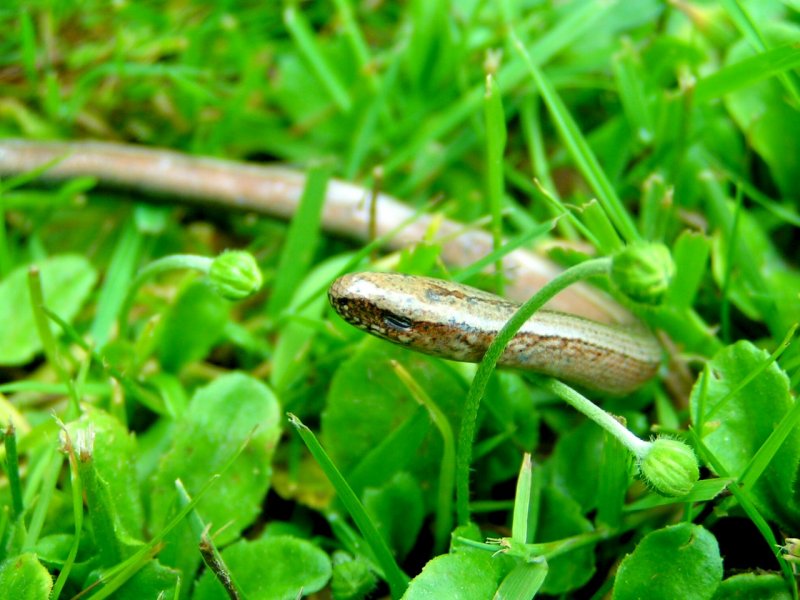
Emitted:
<point x="396" y="321"/>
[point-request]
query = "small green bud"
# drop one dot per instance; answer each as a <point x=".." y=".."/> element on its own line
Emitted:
<point x="234" y="275"/>
<point x="643" y="272"/>
<point x="669" y="467"/>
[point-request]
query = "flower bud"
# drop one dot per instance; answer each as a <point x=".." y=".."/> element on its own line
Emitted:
<point x="234" y="275"/>
<point x="669" y="467"/>
<point x="643" y="272"/>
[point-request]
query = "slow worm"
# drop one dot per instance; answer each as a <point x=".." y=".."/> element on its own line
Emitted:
<point x="276" y="190"/>
<point x="458" y="322"/>
<point x="445" y="319"/>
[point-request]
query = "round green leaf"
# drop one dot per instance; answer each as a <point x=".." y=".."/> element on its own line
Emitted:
<point x="24" y="578"/>
<point x="218" y="420"/>
<point x="753" y="586"/>
<point x="66" y="281"/>
<point x="462" y="576"/>
<point x="367" y="403"/>
<point x="736" y="426"/>
<point x="681" y="561"/>
<point x="192" y="326"/>
<point x="272" y="568"/>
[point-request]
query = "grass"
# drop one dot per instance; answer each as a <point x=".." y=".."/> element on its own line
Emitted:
<point x="593" y="123"/>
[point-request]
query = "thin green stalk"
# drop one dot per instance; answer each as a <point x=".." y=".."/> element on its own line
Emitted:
<point x="355" y="38"/>
<point x="725" y="309"/>
<point x="43" y="503"/>
<point x="397" y="580"/>
<point x="77" y="512"/>
<point x="168" y="263"/>
<point x="307" y="46"/>
<point x="46" y="335"/>
<point x="466" y="437"/>
<point x="12" y="471"/>
<point x="211" y="556"/>
<point x="532" y="132"/>
<point x="596" y="414"/>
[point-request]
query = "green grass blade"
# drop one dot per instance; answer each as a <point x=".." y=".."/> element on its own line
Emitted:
<point x="497" y="255"/>
<point x="750" y="29"/>
<point x="579" y="149"/>
<point x="119" y="275"/>
<point x="749" y="508"/>
<point x="306" y="43"/>
<point x="301" y="240"/>
<point x="495" y="121"/>
<point x="574" y="25"/>
<point x="397" y="580"/>
<point x="522" y="502"/>
<point x="353" y="35"/>
<point x="770" y="63"/>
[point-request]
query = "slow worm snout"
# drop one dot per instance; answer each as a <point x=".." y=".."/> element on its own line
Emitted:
<point x="458" y="322"/>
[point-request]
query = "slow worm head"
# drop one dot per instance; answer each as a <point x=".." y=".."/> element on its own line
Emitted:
<point x="458" y="322"/>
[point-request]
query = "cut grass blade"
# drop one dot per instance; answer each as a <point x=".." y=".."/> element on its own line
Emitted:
<point x="522" y="502"/>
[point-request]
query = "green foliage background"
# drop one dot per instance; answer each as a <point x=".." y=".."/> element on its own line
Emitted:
<point x="680" y="118"/>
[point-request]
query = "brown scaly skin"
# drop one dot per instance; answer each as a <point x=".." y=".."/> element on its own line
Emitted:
<point x="458" y="322"/>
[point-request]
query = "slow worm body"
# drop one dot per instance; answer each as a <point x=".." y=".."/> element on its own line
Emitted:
<point x="276" y="190"/>
<point x="436" y="317"/>
<point x="458" y="322"/>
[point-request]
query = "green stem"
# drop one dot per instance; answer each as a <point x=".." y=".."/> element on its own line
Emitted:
<point x="48" y="339"/>
<point x="12" y="471"/>
<point x="598" y="415"/>
<point x="168" y="263"/>
<point x="596" y="266"/>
